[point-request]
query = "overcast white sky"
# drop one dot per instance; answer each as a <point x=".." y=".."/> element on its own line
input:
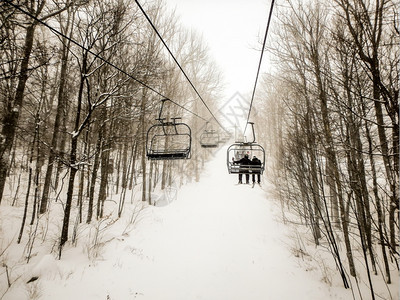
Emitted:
<point x="232" y="29"/>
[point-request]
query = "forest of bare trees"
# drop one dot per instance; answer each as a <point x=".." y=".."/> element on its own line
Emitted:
<point x="333" y="128"/>
<point x="75" y="105"/>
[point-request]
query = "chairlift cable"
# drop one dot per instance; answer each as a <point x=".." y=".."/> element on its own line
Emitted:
<point x="55" y="31"/>
<point x="249" y="148"/>
<point x="259" y="64"/>
<point x="177" y="63"/>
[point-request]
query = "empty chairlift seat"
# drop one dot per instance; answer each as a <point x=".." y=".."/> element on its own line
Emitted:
<point x="168" y="140"/>
<point x="209" y="139"/>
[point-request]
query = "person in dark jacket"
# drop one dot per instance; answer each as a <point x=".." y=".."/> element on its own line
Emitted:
<point x="244" y="163"/>
<point x="256" y="163"/>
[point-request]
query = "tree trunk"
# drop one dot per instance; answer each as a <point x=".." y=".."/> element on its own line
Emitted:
<point x="143" y="141"/>
<point x="125" y="165"/>
<point x="57" y="122"/>
<point x="333" y="195"/>
<point x="95" y="169"/>
<point x="132" y="175"/>
<point x="119" y="158"/>
<point x="150" y="181"/>
<point x="105" y="158"/>
<point x="13" y="109"/>
<point x="30" y="171"/>
<point x="379" y="208"/>
<point x="331" y="156"/>
<point x="72" y="159"/>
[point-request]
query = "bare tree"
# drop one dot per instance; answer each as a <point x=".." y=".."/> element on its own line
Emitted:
<point x="336" y="67"/>
<point x="66" y="29"/>
<point x="366" y="24"/>
<point x="95" y="34"/>
<point x="14" y="103"/>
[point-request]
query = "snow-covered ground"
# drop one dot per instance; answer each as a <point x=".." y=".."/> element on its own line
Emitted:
<point x="216" y="241"/>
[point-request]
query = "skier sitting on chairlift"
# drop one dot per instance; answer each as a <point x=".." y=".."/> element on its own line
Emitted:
<point x="245" y="162"/>
<point x="257" y="164"/>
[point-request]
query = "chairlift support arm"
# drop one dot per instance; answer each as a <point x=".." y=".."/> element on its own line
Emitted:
<point x="252" y="128"/>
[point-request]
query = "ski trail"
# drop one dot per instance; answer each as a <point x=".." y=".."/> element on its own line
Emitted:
<point x="217" y="241"/>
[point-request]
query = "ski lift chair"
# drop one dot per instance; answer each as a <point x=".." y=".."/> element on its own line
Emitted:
<point x="209" y="139"/>
<point x="168" y="140"/>
<point x="238" y="150"/>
